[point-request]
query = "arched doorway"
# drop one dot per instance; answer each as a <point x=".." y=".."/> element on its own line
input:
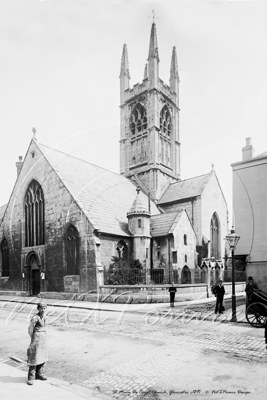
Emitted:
<point x="34" y="277"/>
<point x="215" y="237"/>
<point x="186" y="275"/>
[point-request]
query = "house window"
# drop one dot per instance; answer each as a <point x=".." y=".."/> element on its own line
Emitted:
<point x="72" y="251"/>
<point x="146" y="252"/>
<point x="34" y="215"/>
<point x="139" y="223"/>
<point x="185" y="240"/>
<point x="5" y="257"/>
<point x="174" y="257"/>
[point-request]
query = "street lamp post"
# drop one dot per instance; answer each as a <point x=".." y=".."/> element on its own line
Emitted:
<point x="232" y="240"/>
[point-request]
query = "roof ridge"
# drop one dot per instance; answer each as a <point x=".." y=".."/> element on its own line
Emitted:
<point x="80" y="159"/>
<point x="193" y="177"/>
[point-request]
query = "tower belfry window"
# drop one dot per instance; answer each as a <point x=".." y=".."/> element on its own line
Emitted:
<point x="138" y="119"/>
<point x="165" y="121"/>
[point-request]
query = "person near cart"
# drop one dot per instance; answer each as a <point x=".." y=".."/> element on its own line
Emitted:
<point x="250" y="286"/>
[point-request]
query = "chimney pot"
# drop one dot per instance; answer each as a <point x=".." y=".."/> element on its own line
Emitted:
<point x="248" y="151"/>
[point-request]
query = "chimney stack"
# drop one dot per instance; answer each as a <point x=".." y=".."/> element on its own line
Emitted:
<point x="19" y="165"/>
<point x="247" y="151"/>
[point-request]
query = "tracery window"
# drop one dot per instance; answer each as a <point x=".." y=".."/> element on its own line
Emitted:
<point x="122" y="249"/>
<point x="215" y="237"/>
<point x="138" y="120"/>
<point x="5" y="257"/>
<point x="34" y="215"/>
<point x="72" y="250"/>
<point x="165" y="121"/>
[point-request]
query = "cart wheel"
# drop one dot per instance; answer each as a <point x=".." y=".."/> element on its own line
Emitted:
<point x="257" y="315"/>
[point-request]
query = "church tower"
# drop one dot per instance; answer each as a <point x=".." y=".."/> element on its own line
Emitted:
<point x="149" y="136"/>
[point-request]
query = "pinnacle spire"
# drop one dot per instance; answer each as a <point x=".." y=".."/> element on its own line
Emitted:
<point x="125" y="63"/>
<point x="174" y="64"/>
<point x="153" y="44"/>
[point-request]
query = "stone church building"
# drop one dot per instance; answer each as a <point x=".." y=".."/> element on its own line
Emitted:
<point x="66" y="218"/>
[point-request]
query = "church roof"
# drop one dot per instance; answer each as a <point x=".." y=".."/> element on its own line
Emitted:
<point x="162" y="225"/>
<point x="104" y="196"/>
<point x="184" y="189"/>
<point x="2" y="211"/>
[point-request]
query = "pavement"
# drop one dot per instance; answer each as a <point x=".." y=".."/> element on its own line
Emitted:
<point x="161" y="308"/>
<point x="13" y="387"/>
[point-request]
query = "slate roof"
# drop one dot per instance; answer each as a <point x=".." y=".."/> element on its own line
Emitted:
<point x="161" y="225"/>
<point x="184" y="189"/>
<point x="104" y="196"/>
<point x="260" y="155"/>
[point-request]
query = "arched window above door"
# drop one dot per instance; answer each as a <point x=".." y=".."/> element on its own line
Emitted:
<point x="34" y="215"/>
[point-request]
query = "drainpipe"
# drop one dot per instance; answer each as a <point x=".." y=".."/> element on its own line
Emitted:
<point x="169" y="256"/>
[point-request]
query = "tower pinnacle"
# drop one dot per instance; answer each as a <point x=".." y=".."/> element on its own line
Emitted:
<point x="125" y="63"/>
<point x="174" y="64"/>
<point x="153" y="44"/>
<point x="124" y="73"/>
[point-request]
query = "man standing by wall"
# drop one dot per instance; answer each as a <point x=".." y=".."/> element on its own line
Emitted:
<point x="219" y="292"/>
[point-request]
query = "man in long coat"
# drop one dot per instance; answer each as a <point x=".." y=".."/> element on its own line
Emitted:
<point x="219" y="292"/>
<point x="37" y="351"/>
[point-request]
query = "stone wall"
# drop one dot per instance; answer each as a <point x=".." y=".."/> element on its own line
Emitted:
<point x="193" y="209"/>
<point x="60" y="210"/>
<point x="213" y="201"/>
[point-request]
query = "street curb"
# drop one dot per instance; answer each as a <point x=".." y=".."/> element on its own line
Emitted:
<point x="77" y="389"/>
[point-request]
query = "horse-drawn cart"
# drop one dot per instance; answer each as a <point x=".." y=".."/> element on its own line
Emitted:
<point x="256" y="313"/>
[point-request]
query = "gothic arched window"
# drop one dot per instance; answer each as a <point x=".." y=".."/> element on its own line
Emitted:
<point x="138" y="120"/>
<point x="72" y="251"/>
<point x="215" y="237"/>
<point x="5" y="257"/>
<point x="165" y="121"/>
<point x="34" y="215"/>
<point x="122" y="249"/>
<point x="186" y="275"/>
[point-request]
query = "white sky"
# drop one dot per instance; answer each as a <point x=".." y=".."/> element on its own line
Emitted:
<point x="60" y="63"/>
